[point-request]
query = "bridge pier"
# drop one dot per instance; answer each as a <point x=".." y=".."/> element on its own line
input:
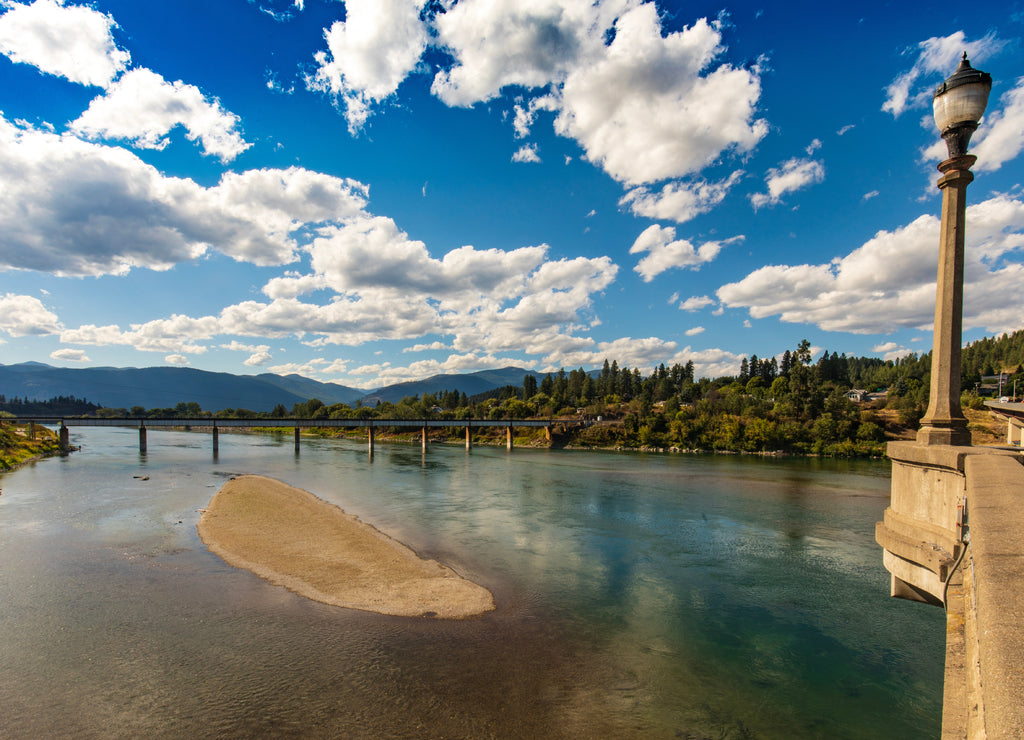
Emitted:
<point x="508" y="437"/>
<point x="31" y="430"/>
<point x="216" y="439"/>
<point x="424" y="436"/>
<point x="469" y="437"/>
<point x="296" y="437"/>
<point x="370" y="437"/>
<point x="65" y="438"/>
<point x="142" y="439"/>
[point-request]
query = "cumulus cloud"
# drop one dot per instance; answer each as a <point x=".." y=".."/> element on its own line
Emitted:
<point x="383" y="285"/>
<point x="526" y="153"/>
<point x="386" y="373"/>
<point x="679" y="201"/>
<point x="369" y="54"/>
<point x="889" y="282"/>
<point x="650" y="107"/>
<point x="694" y="331"/>
<point x="530" y="44"/>
<point x="70" y="355"/>
<point x="1000" y="139"/>
<point x="937" y="58"/>
<point x="23" y="315"/>
<point x="179" y="360"/>
<point x="696" y="303"/>
<point x="75" y="41"/>
<point x="259" y="354"/>
<point x="793" y="174"/>
<point x="142" y="107"/>
<point x="665" y="252"/>
<point x="72" y="207"/>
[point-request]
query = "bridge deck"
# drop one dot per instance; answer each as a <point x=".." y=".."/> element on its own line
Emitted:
<point x="250" y="423"/>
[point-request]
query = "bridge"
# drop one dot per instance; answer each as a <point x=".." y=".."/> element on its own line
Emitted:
<point x="215" y="425"/>
<point x="953" y="536"/>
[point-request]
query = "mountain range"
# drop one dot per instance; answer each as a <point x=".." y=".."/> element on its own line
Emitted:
<point x="163" y="387"/>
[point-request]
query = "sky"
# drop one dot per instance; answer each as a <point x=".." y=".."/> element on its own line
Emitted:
<point x="374" y="191"/>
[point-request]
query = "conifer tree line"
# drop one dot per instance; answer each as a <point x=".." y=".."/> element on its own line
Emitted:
<point x="787" y="402"/>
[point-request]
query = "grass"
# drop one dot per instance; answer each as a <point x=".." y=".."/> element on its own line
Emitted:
<point x="16" y="448"/>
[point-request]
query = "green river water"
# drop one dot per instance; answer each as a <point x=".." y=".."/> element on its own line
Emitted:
<point x="639" y="596"/>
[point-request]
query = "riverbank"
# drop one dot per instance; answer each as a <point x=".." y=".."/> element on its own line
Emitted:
<point x="18" y="448"/>
<point x="294" y="539"/>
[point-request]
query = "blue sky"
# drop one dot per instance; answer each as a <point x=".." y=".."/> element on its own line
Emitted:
<point x="377" y="191"/>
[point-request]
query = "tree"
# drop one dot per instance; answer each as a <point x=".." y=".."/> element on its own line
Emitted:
<point x="529" y="386"/>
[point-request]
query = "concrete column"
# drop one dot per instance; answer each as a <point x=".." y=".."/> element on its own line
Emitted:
<point x="370" y="437"/>
<point x="65" y="440"/>
<point x="547" y="433"/>
<point x="424" y="437"/>
<point x="469" y="437"/>
<point x="142" y="439"/>
<point x="216" y="439"/>
<point x="296" y="437"/>
<point x="31" y="430"/>
<point x="944" y="422"/>
<point x="508" y="436"/>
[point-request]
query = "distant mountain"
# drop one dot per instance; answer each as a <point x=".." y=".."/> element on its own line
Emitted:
<point x="469" y="383"/>
<point x="160" y="387"/>
<point x="165" y="387"/>
<point x="329" y="393"/>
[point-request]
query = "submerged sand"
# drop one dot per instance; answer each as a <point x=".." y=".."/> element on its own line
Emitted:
<point x="294" y="539"/>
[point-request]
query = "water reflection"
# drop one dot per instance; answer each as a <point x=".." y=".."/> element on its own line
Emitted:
<point x="639" y="596"/>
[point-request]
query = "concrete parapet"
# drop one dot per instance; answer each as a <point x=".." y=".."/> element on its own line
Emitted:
<point x="921" y="530"/>
<point x="952" y="536"/>
<point x="995" y="602"/>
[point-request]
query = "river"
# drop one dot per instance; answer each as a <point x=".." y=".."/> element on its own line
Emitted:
<point x="647" y="596"/>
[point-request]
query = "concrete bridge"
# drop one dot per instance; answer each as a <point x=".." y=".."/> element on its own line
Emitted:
<point x="953" y="536"/>
<point x="370" y="425"/>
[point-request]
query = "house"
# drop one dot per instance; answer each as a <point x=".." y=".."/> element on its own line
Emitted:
<point x="857" y="395"/>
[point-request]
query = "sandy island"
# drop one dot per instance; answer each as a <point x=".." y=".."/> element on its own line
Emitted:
<point x="294" y="539"/>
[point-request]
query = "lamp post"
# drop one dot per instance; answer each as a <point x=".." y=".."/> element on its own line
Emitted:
<point x="959" y="103"/>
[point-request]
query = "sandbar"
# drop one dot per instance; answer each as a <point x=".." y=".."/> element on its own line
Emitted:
<point x="294" y="539"/>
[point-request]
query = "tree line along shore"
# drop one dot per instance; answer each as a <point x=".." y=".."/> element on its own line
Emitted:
<point x="836" y="405"/>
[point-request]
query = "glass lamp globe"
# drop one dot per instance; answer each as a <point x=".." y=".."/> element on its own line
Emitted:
<point x="959" y="103"/>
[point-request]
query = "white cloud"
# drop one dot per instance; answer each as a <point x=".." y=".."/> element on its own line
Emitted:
<point x="526" y="153"/>
<point x="937" y="57"/>
<point x="530" y="44"/>
<point x="74" y="41"/>
<point x="696" y="303"/>
<point x="679" y="201"/>
<point x="793" y="174"/>
<point x="891" y="351"/>
<point x="179" y="360"/>
<point x="650" y="107"/>
<point x="259" y="354"/>
<point x="665" y="251"/>
<point x="889" y="281"/>
<point x="426" y="347"/>
<point x="142" y="107"/>
<point x="869" y="195"/>
<point x="369" y="54"/>
<point x="258" y="359"/>
<point x="1001" y="136"/>
<point x="23" y="315"/>
<point x="646" y="107"/>
<point x="814" y="146"/>
<point x="694" y="331"/>
<point x="387" y="374"/>
<point x="72" y="207"/>
<point x="70" y="355"/>
<point x="708" y="363"/>
<point x="845" y="129"/>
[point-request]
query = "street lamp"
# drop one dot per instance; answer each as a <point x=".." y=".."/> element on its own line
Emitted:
<point x="959" y="104"/>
